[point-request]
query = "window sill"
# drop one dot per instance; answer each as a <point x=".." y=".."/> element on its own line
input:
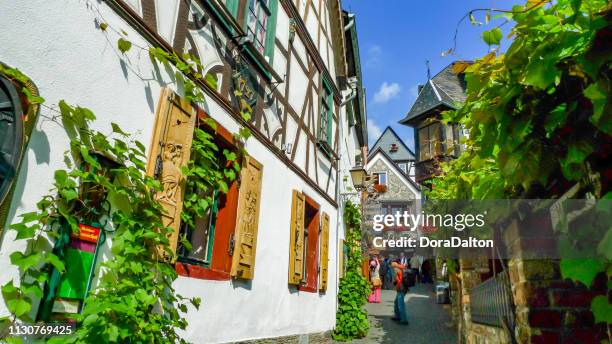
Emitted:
<point x="326" y="149"/>
<point x="261" y="63"/>
<point x="308" y="289"/>
<point x="200" y="272"/>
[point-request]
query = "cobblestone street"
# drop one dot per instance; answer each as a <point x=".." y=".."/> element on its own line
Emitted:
<point x="430" y="323"/>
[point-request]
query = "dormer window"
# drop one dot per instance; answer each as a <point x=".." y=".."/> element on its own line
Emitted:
<point x="393" y="147"/>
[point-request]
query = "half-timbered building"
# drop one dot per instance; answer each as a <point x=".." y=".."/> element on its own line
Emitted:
<point x="268" y="265"/>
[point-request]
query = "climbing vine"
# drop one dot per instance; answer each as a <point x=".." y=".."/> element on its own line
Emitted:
<point x="351" y="317"/>
<point x="540" y="118"/>
<point x="134" y="300"/>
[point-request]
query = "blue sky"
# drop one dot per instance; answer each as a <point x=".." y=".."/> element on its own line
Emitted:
<point x="395" y="39"/>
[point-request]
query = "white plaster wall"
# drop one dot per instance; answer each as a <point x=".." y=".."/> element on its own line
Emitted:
<point x="69" y="58"/>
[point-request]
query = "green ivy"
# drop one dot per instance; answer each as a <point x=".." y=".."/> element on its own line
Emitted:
<point x="134" y="301"/>
<point x="540" y="117"/>
<point x="353" y="291"/>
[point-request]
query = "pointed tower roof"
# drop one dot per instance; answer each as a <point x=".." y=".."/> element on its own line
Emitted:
<point x="446" y="89"/>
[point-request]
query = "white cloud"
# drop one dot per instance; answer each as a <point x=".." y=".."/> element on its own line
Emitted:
<point x="374" y="131"/>
<point x="386" y="92"/>
<point x="373" y="54"/>
<point x="414" y="91"/>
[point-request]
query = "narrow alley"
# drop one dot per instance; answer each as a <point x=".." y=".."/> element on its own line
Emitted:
<point x="429" y="323"/>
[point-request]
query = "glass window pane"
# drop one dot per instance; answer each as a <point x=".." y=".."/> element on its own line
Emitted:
<point x="424" y="144"/>
<point x="199" y="239"/>
<point x="435" y="138"/>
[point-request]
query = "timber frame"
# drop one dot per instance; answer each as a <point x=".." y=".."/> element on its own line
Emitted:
<point x="267" y="79"/>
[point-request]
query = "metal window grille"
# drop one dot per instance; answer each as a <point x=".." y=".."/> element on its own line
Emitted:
<point x="491" y="302"/>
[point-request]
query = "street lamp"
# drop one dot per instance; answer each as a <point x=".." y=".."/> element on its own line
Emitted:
<point x="358" y="175"/>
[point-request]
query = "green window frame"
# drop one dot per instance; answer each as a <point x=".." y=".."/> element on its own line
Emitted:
<point x="206" y="240"/>
<point x="232" y="6"/>
<point x="325" y="118"/>
<point x="260" y="25"/>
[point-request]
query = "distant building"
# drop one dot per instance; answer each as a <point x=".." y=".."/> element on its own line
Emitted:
<point x="392" y="162"/>
<point x="390" y="143"/>
<point x="435" y="141"/>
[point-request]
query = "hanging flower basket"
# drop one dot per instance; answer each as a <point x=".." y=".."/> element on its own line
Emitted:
<point x="380" y="188"/>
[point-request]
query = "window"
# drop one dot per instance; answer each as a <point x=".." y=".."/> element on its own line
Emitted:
<point x="305" y="239"/>
<point x="403" y="166"/>
<point x="325" y="119"/>
<point x="393" y="147"/>
<point x="311" y="239"/>
<point x="430" y="141"/>
<point x="221" y="245"/>
<point x="382" y="178"/>
<point x="257" y="23"/>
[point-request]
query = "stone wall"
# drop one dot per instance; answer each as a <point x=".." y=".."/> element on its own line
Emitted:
<point x="308" y="338"/>
<point x="548" y="308"/>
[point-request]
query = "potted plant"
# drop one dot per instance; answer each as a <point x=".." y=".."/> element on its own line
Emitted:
<point x="380" y="188"/>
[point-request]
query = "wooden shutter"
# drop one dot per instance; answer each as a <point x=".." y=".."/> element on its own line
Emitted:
<point x="324" y="250"/>
<point x="243" y="258"/>
<point x="170" y="150"/>
<point x="296" y="245"/>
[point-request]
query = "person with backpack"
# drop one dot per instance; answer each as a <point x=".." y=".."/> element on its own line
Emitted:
<point x="401" y="286"/>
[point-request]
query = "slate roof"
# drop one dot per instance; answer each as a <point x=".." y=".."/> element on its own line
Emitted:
<point x="388" y="137"/>
<point x="447" y="88"/>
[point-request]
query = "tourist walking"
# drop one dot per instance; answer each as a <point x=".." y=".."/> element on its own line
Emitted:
<point x="402" y="289"/>
<point x="383" y="270"/>
<point x="375" y="280"/>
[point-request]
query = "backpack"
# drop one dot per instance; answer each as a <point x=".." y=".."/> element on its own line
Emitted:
<point x="408" y="279"/>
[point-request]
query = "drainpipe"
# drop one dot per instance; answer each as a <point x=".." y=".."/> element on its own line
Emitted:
<point x="351" y="23"/>
<point x="349" y="98"/>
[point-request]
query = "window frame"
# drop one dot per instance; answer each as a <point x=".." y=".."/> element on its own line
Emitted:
<point x="379" y="174"/>
<point x="324" y="134"/>
<point x="310" y="280"/>
<point x="220" y="263"/>
<point x="434" y="149"/>
<point x="271" y="8"/>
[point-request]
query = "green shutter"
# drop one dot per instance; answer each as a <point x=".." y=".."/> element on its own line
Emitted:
<point x="232" y="6"/>
<point x="271" y="31"/>
<point x="330" y="104"/>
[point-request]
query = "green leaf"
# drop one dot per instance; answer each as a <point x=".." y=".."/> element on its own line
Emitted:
<point x="602" y="309"/>
<point x="581" y="270"/>
<point x="577" y="152"/>
<point x="69" y="194"/>
<point x="24" y="262"/>
<point x="493" y="36"/>
<point x="103" y="26"/>
<point x="24" y="231"/>
<point x="117" y="129"/>
<point x="55" y="261"/>
<point x="602" y="111"/>
<point x="555" y="118"/>
<point x="32" y="98"/>
<point x="19" y="306"/>
<point x="124" y="45"/>
<point x="604" y="248"/>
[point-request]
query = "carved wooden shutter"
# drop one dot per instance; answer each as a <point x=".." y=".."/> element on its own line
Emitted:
<point x="324" y="250"/>
<point x="170" y="150"/>
<point x="243" y="258"/>
<point x="296" y="246"/>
